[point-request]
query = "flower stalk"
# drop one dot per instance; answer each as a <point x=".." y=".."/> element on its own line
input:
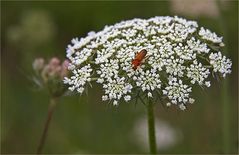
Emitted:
<point x="151" y="128"/>
<point x="51" y="108"/>
<point x="49" y="76"/>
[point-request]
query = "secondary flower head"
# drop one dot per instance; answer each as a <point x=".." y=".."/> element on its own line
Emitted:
<point x="51" y="74"/>
<point x="180" y="54"/>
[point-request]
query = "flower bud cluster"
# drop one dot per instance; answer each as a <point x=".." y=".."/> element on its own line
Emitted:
<point x="51" y="74"/>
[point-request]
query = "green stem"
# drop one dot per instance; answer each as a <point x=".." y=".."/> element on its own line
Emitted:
<point x="151" y="128"/>
<point x="225" y="87"/>
<point x="51" y="108"/>
<point x="225" y="117"/>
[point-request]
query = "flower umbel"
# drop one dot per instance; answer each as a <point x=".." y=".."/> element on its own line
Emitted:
<point x="179" y="55"/>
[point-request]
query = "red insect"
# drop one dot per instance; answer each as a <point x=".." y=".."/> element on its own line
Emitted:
<point x="138" y="59"/>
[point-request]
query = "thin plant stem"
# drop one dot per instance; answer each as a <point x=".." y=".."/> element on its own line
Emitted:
<point x="52" y="105"/>
<point x="225" y="87"/>
<point x="151" y="128"/>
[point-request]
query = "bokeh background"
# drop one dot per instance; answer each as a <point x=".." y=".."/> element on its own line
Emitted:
<point x="84" y="124"/>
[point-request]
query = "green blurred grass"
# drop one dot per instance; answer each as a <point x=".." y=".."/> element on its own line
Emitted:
<point x="85" y="124"/>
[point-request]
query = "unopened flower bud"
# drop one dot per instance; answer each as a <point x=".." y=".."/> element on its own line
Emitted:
<point x="44" y="73"/>
<point x="38" y="64"/>
<point x="54" y="62"/>
<point x="64" y="68"/>
<point x="54" y="71"/>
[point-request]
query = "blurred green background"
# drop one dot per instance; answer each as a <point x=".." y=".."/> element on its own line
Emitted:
<point x="84" y="124"/>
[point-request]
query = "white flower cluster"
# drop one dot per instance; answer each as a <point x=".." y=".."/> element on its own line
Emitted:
<point x="210" y="36"/>
<point x="79" y="78"/>
<point x="147" y="80"/>
<point x="220" y="63"/>
<point x="178" y="56"/>
<point x="178" y="92"/>
<point x="197" y="73"/>
<point x="115" y="89"/>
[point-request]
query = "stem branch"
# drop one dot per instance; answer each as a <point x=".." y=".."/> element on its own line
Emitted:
<point x="51" y="108"/>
